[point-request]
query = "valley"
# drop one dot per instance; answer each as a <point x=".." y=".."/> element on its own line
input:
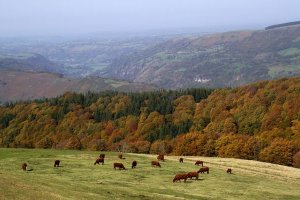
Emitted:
<point x="213" y="60"/>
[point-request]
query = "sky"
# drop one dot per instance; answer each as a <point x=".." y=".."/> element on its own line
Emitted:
<point x="67" y="17"/>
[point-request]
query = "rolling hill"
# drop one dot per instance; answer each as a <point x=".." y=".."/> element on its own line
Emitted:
<point x="259" y="121"/>
<point x="217" y="60"/>
<point x="26" y="85"/>
<point x="30" y="62"/>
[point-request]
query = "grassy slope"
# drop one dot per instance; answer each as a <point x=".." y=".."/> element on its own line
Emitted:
<point x="80" y="179"/>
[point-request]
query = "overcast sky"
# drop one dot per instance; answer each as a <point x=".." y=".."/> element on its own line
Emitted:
<point x="63" y="17"/>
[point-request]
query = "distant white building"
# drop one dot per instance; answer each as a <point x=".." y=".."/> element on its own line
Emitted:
<point x="202" y="80"/>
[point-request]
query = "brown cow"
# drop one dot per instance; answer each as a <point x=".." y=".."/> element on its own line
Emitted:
<point x="155" y="164"/>
<point x="119" y="165"/>
<point x="181" y="160"/>
<point x="193" y="174"/>
<point x="24" y="166"/>
<point x="161" y="157"/>
<point x="99" y="160"/>
<point x="134" y="164"/>
<point x="56" y="163"/>
<point x="199" y="162"/>
<point x="120" y="156"/>
<point x="178" y="177"/>
<point x="203" y="170"/>
<point x="229" y="171"/>
<point x="102" y="155"/>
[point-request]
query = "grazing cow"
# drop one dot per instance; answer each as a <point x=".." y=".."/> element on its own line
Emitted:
<point x="181" y="160"/>
<point x="120" y="156"/>
<point x="102" y="155"/>
<point x="203" y="170"/>
<point x="199" y="162"/>
<point x="193" y="174"/>
<point x="56" y="163"/>
<point x="134" y="164"/>
<point x="178" y="177"/>
<point x="161" y="157"/>
<point x="155" y="164"/>
<point x="99" y="160"/>
<point x="119" y="165"/>
<point x="229" y="171"/>
<point x="24" y="167"/>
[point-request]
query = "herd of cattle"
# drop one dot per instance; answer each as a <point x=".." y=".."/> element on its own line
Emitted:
<point x="178" y="177"/>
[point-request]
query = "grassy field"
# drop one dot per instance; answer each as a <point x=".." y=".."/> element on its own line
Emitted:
<point x="79" y="178"/>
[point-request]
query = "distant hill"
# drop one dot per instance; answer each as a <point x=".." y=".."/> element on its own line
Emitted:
<point x="218" y="60"/>
<point x="20" y="85"/>
<point x="283" y="25"/>
<point x="28" y="62"/>
<point x="213" y="60"/>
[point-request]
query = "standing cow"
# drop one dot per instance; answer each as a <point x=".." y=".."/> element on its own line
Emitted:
<point x="229" y="171"/>
<point x="134" y="164"/>
<point x="120" y="156"/>
<point x="24" y="166"/>
<point x="56" y="163"/>
<point x="203" y="170"/>
<point x="181" y="160"/>
<point x="99" y="160"/>
<point x="199" y="162"/>
<point x="179" y="177"/>
<point x="119" y="165"/>
<point x="155" y="164"/>
<point x="161" y="157"/>
<point x="193" y="174"/>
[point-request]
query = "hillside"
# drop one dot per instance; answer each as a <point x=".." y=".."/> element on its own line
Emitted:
<point x="30" y="62"/>
<point x="26" y="85"/>
<point x="206" y="60"/>
<point x="258" y="121"/>
<point x="217" y="60"/>
<point x="78" y="178"/>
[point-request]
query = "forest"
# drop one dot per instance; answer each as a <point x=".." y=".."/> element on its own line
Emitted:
<point x="259" y="121"/>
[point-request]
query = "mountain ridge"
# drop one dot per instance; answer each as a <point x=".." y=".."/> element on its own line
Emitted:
<point x="217" y="60"/>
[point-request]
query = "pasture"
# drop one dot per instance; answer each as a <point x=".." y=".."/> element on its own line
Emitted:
<point x="79" y="178"/>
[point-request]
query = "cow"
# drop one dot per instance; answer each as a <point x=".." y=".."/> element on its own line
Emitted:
<point x="119" y="165"/>
<point x="99" y="160"/>
<point x="178" y="177"/>
<point x="155" y="164"/>
<point x="193" y="174"/>
<point x="56" y="163"/>
<point x="181" y="160"/>
<point x="161" y="157"/>
<point x="199" y="162"/>
<point x="229" y="171"/>
<point x="120" y="156"/>
<point x="24" y="166"/>
<point x="134" y="164"/>
<point x="102" y="155"/>
<point x="203" y="170"/>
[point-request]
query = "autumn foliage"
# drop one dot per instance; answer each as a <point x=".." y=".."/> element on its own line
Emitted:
<point x="260" y="121"/>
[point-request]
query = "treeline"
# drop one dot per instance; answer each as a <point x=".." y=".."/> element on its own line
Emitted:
<point x="260" y="121"/>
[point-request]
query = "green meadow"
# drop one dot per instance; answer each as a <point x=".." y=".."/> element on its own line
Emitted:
<point x="79" y="178"/>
